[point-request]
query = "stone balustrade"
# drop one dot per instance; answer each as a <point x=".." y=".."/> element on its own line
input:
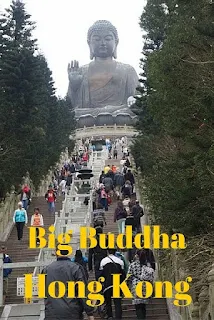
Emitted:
<point x="74" y="213"/>
<point x="110" y="131"/>
<point x="201" y="308"/>
<point x="6" y="212"/>
<point x="48" y="178"/>
<point x="9" y="205"/>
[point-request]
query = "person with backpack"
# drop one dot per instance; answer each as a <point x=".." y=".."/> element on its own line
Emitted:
<point x="83" y="261"/>
<point x="150" y="258"/>
<point x="50" y="197"/>
<point x="115" y="153"/>
<point x="121" y="256"/>
<point x="118" y="183"/>
<point x="96" y="255"/>
<point x="69" y="182"/>
<point x="109" y="266"/>
<point x="106" y="169"/>
<point x="108" y="181"/>
<point x="126" y="203"/>
<point x="130" y="177"/>
<point x="99" y="217"/>
<point x="54" y="184"/>
<point x="25" y="196"/>
<point x="64" y="307"/>
<point x="62" y="186"/>
<point x="126" y="189"/>
<point x="6" y="272"/>
<point x="94" y="198"/>
<point x="103" y="197"/>
<point x="120" y="215"/>
<point x="139" y="271"/>
<point x="102" y="176"/>
<point x="137" y="212"/>
<point x="131" y="222"/>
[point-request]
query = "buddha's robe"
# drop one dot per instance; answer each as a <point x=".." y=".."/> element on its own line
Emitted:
<point x="105" y="88"/>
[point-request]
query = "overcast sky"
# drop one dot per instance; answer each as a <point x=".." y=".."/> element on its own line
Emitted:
<point x="62" y="27"/>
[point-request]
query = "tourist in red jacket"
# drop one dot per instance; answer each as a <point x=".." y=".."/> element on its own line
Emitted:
<point x="50" y="197"/>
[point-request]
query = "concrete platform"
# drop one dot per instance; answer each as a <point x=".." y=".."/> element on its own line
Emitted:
<point x="34" y="311"/>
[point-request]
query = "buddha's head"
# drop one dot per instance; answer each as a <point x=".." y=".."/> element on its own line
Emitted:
<point x="102" y="40"/>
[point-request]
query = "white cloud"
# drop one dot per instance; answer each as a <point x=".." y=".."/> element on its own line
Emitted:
<point x="62" y="30"/>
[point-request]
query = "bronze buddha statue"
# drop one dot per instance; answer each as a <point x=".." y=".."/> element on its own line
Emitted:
<point x="104" y="85"/>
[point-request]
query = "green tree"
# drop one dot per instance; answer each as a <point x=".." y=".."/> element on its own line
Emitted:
<point x="31" y="114"/>
<point x="175" y="148"/>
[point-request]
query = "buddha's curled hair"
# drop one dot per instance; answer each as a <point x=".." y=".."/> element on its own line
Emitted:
<point x="102" y="24"/>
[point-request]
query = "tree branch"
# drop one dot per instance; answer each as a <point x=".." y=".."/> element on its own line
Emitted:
<point x="198" y="62"/>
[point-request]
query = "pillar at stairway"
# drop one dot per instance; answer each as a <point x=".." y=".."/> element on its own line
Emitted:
<point x="195" y="311"/>
<point x="203" y="301"/>
<point x="211" y="291"/>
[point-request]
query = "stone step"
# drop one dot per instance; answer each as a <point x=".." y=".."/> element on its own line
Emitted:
<point x="148" y="317"/>
<point x="156" y="309"/>
<point x="19" y="250"/>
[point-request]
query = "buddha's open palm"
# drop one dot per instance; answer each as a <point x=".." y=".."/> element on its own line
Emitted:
<point x="130" y="101"/>
<point x="74" y="74"/>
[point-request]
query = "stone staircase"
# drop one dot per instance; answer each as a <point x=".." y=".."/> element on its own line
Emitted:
<point x="19" y="250"/>
<point x="157" y="309"/>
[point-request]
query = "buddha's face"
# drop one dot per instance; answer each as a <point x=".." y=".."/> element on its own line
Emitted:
<point x="103" y="43"/>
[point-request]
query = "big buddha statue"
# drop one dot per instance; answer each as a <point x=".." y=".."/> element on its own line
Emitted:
<point x="102" y="91"/>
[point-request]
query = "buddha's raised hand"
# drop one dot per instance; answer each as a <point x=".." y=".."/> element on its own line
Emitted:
<point x="130" y="101"/>
<point x="74" y="73"/>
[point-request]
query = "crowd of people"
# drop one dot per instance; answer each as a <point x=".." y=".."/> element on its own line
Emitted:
<point x="116" y="184"/>
<point x="119" y="184"/>
<point x="59" y="185"/>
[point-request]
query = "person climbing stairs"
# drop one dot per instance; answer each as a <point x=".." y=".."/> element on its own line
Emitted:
<point x="19" y="250"/>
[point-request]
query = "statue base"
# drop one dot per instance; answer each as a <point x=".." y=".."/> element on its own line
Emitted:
<point x="109" y="115"/>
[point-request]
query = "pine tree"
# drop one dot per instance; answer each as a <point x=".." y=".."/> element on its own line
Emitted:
<point x="28" y="102"/>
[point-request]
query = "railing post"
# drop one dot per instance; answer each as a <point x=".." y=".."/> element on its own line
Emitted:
<point x="203" y="300"/>
<point x="211" y="291"/>
<point x="195" y="312"/>
<point x="1" y="279"/>
<point x="56" y="224"/>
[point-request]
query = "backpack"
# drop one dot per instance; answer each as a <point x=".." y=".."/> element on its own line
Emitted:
<point x="98" y="218"/>
<point x="99" y="254"/>
<point x="137" y="216"/>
